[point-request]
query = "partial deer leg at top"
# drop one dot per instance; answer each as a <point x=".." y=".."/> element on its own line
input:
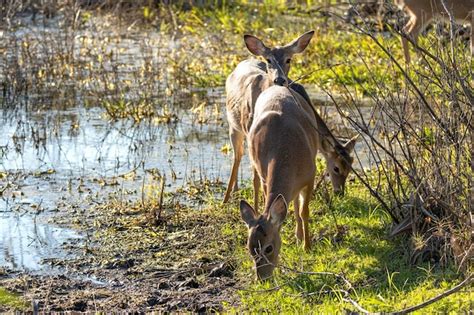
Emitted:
<point x="237" y="139"/>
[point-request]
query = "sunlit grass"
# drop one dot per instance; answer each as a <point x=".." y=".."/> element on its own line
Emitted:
<point x="199" y="48"/>
<point x="10" y="300"/>
<point x="352" y="241"/>
<point x="337" y="55"/>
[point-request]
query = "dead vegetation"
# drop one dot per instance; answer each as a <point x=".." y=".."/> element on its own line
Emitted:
<point x="421" y="140"/>
<point x="129" y="262"/>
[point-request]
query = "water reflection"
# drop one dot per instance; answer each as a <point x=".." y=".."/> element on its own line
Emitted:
<point x="25" y="242"/>
<point x="50" y="149"/>
<point x="81" y="142"/>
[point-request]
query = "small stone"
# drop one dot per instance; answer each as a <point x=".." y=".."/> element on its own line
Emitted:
<point x="163" y="285"/>
<point x="153" y="300"/>
<point x="80" y="306"/>
<point x="201" y="309"/>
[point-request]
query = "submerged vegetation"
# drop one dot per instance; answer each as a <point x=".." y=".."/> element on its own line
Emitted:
<point x="402" y="234"/>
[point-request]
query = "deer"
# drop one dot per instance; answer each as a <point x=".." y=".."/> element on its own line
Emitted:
<point x="284" y="138"/>
<point x="243" y="86"/>
<point x="422" y="12"/>
<point x="247" y="81"/>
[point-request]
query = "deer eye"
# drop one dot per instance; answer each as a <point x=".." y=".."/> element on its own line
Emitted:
<point x="269" y="61"/>
<point x="288" y="60"/>
<point x="269" y="249"/>
<point x="336" y="170"/>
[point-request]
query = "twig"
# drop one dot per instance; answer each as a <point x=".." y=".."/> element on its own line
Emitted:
<point x="319" y="181"/>
<point x="162" y="192"/>
<point x="356" y="305"/>
<point x="464" y="283"/>
<point x="319" y="273"/>
<point x="304" y="76"/>
<point x="275" y="288"/>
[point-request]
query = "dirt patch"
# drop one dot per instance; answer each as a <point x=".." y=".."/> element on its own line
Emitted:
<point x="167" y="290"/>
<point x="130" y="260"/>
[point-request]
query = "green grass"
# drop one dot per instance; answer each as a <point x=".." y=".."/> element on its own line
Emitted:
<point x="10" y="300"/>
<point x="330" y="46"/>
<point x="378" y="267"/>
<point x="340" y="58"/>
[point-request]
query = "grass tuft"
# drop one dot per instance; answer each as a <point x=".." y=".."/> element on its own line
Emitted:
<point x="11" y="301"/>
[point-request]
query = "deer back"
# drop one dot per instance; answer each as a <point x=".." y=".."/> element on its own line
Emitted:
<point x="243" y="86"/>
<point x="283" y="143"/>
<point x="461" y="9"/>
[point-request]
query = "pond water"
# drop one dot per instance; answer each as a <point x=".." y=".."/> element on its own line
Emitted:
<point x="47" y="152"/>
<point x="81" y="142"/>
<point x="25" y="242"/>
<point x="43" y="154"/>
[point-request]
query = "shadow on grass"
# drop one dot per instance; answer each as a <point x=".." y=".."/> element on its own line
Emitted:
<point x="375" y="265"/>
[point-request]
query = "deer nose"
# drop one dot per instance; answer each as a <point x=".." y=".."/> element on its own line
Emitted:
<point x="279" y="81"/>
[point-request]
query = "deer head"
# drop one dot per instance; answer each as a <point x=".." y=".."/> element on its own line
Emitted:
<point x="264" y="240"/>
<point x="339" y="162"/>
<point x="278" y="59"/>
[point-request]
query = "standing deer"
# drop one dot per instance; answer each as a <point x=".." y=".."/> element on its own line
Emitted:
<point x="283" y="141"/>
<point x="246" y="83"/>
<point x="422" y="12"/>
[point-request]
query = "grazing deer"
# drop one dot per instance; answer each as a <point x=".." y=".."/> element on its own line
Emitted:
<point x="283" y="141"/>
<point x="422" y="12"/>
<point x="247" y="81"/>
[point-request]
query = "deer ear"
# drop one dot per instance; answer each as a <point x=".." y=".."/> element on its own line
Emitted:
<point x="349" y="146"/>
<point x="248" y="214"/>
<point x="278" y="211"/>
<point x="255" y="45"/>
<point x="327" y="146"/>
<point x="300" y="44"/>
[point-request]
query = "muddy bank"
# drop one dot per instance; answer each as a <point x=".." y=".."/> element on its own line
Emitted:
<point x="59" y="293"/>
<point x="96" y="214"/>
<point x="128" y="258"/>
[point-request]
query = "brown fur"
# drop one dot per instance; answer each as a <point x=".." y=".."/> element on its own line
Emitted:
<point x="422" y="12"/>
<point x="244" y="85"/>
<point x="283" y="143"/>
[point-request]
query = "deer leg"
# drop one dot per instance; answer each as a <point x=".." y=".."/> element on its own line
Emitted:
<point x="237" y="140"/>
<point x="304" y="214"/>
<point x="472" y="33"/>
<point x="256" y="189"/>
<point x="407" y="31"/>
<point x="413" y="29"/>
<point x="299" y="227"/>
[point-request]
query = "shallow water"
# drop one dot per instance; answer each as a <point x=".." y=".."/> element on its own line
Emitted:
<point x="51" y="152"/>
<point x="26" y="241"/>
<point x="48" y="153"/>
<point x="80" y="142"/>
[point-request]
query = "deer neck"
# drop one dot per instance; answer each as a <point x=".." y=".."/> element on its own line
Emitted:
<point x="278" y="182"/>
